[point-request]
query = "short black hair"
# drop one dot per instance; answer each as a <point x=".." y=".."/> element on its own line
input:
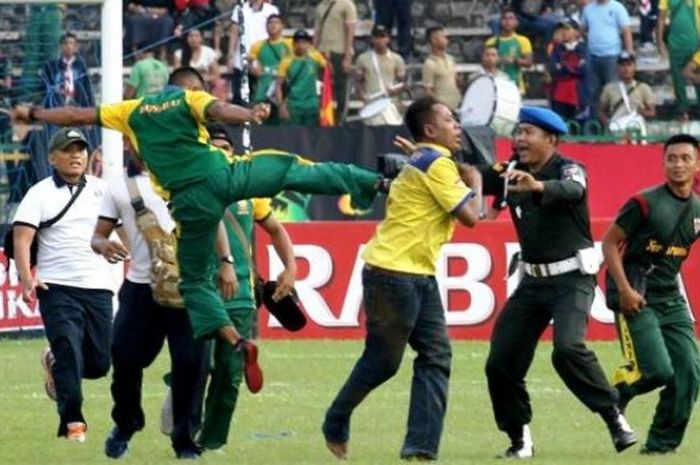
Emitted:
<point x="507" y="10"/>
<point x="274" y="16"/>
<point x="432" y="30"/>
<point x="218" y="131"/>
<point x="68" y="35"/>
<point x="682" y="139"/>
<point x="418" y="114"/>
<point x="180" y="75"/>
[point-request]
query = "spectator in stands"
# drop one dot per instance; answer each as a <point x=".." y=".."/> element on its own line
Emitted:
<point x="296" y="82"/>
<point x="387" y="11"/>
<point x="380" y="71"/>
<point x="334" y="34"/>
<point x="149" y="21"/>
<point x="679" y="41"/>
<point x="567" y="66"/>
<point x="254" y="15"/>
<point x="195" y="13"/>
<point x="489" y="63"/>
<point x="148" y="75"/>
<point x="692" y="73"/>
<point x="514" y="50"/>
<point x="439" y="73"/>
<point x="648" y="15"/>
<point x="65" y="81"/>
<point x="204" y="59"/>
<point x="605" y="21"/>
<point x="265" y="57"/>
<point x="535" y="18"/>
<point x="42" y="38"/>
<point x="639" y="94"/>
<point x="72" y="283"/>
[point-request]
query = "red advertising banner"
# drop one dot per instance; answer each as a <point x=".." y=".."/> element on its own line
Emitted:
<point x="471" y="274"/>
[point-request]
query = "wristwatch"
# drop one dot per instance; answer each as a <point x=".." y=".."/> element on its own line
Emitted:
<point x="227" y="259"/>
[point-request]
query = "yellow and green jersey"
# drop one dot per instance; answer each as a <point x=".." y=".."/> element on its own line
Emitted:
<point x="514" y="46"/>
<point x="246" y="212"/>
<point x="301" y="74"/>
<point x="269" y="54"/>
<point x="168" y="132"/>
<point x="419" y="213"/>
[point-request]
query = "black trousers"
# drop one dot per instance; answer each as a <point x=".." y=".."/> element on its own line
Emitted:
<point x="387" y="11"/>
<point x="237" y="82"/>
<point x="140" y="329"/>
<point x="565" y="299"/>
<point x="78" y="324"/>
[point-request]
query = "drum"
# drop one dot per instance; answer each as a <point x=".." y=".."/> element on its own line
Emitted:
<point x="493" y="102"/>
<point x="380" y="110"/>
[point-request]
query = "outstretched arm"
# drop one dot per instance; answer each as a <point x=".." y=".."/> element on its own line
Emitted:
<point x="234" y="114"/>
<point x="63" y="116"/>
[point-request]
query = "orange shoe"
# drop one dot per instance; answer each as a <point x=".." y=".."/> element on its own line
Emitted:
<point x="47" y="362"/>
<point x="76" y="431"/>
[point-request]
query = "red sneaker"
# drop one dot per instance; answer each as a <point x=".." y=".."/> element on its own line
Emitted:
<point x="253" y="372"/>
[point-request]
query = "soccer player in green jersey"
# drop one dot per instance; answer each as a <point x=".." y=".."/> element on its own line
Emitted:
<point x="657" y="228"/>
<point x="168" y="133"/>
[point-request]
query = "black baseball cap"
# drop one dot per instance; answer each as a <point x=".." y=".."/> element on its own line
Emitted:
<point x="569" y="22"/>
<point x="379" y="30"/>
<point x="287" y="310"/>
<point x="301" y="34"/>
<point x="62" y="138"/>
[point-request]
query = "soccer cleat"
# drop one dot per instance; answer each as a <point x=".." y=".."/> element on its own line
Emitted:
<point x="620" y="431"/>
<point x="47" y="361"/>
<point x="521" y="448"/>
<point x="116" y="444"/>
<point x="252" y="371"/>
<point x="76" y="431"/>
<point x="166" y="414"/>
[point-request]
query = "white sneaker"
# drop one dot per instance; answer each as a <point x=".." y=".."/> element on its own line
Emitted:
<point x="521" y="449"/>
<point x="76" y="431"/>
<point x="166" y="414"/>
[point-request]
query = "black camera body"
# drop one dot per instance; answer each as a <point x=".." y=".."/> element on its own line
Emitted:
<point x="391" y="164"/>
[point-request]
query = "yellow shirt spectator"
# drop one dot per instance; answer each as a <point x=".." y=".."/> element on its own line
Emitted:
<point x="419" y="213"/>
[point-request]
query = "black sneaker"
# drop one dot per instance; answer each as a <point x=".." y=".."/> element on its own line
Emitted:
<point x="646" y="451"/>
<point x="521" y="448"/>
<point x="117" y="444"/>
<point x="620" y="431"/>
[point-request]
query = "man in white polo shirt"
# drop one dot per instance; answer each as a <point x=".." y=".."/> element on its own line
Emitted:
<point x="141" y="325"/>
<point x="254" y="15"/>
<point x="72" y="283"/>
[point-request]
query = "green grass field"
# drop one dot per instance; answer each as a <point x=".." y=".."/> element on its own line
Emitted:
<point x="281" y="425"/>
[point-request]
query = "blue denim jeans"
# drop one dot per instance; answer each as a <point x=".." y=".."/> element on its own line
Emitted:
<point x="400" y="309"/>
<point x="601" y="70"/>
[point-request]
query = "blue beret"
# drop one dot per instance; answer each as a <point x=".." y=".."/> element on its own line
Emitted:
<point x="543" y="118"/>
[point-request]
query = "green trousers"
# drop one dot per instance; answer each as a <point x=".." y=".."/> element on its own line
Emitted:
<point x="198" y="208"/>
<point x="678" y="59"/>
<point x="224" y="384"/>
<point x="303" y="115"/>
<point x="661" y="352"/>
<point x="41" y="43"/>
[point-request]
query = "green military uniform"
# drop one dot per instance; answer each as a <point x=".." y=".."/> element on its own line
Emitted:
<point x="682" y="42"/>
<point x="551" y="226"/>
<point x="167" y="131"/>
<point x="301" y="74"/>
<point x="227" y="374"/>
<point x="659" y="342"/>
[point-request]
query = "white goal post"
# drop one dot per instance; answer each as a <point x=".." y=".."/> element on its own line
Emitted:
<point x="111" y="60"/>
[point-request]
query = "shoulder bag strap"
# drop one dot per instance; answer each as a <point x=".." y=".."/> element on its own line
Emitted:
<point x="323" y="20"/>
<point x="137" y="202"/>
<point x="382" y="87"/>
<point x="625" y="98"/>
<point x="74" y="197"/>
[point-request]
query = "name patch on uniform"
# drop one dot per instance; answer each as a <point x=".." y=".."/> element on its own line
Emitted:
<point x="573" y="172"/>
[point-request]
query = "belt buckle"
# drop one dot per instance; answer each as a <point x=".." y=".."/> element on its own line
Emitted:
<point x="536" y="271"/>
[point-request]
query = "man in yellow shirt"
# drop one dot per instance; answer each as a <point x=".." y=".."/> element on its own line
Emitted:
<point x="514" y="50"/>
<point x="401" y="296"/>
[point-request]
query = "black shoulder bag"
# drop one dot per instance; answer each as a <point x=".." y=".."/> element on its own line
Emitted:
<point x="9" y="241"/>
<point x="637" y="273"/>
